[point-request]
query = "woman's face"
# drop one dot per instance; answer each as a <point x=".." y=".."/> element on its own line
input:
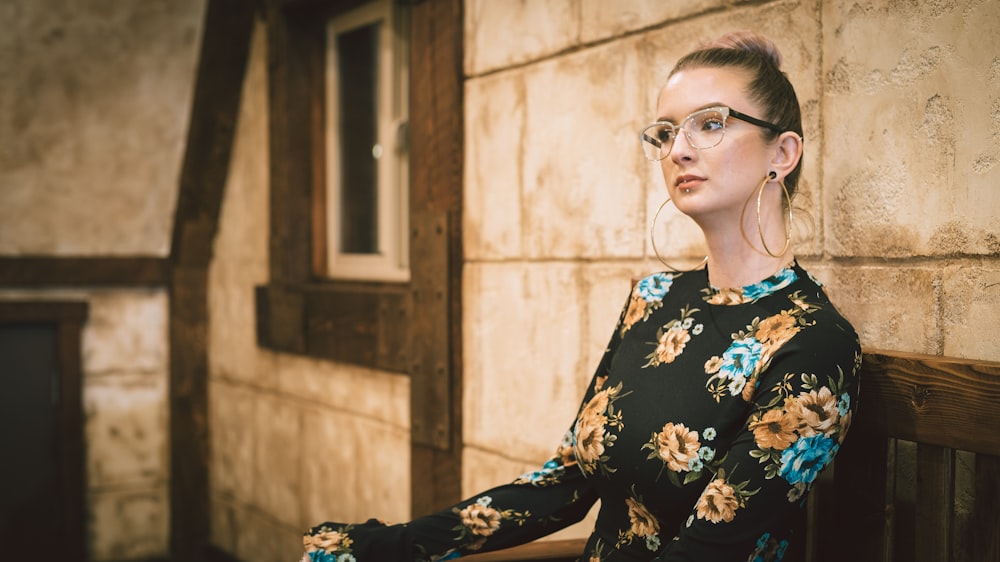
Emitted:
<point x="713" y="183"/>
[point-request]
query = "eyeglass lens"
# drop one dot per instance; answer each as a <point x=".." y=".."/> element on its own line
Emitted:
<point x="703" y="129"/>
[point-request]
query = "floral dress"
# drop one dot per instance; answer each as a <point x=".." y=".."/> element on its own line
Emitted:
<point x="710" y="415"/>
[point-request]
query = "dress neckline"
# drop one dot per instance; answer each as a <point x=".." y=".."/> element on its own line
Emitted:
<point x="729" y="296"/>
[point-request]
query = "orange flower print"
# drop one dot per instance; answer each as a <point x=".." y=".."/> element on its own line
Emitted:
<point x="590" y="441"/>
<point x="671" y="344"/>
<point x="774" y="430"/>
<point x="718" y="502"/>
<point x="677" y="446"/>
<point x="777" y="329"/>
<point x="816" y="412"/>
<point x="636" y="311"/>
<point x="327" y="541"/>
<point x="643" y="522"/>
<point x="480" y="519"/>
<point x="727" y="297"/>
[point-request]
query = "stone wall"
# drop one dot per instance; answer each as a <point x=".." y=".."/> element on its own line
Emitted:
<point x="294" y="441"/>
<point x="93" y="115"/>
<point x="897" y="212"/>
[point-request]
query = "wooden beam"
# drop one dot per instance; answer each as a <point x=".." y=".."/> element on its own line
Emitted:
<point x="222" y="62"/>
<point x="78" y="271"/>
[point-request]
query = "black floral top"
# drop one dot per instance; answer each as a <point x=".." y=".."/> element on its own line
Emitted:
<point x="709" y="417"/>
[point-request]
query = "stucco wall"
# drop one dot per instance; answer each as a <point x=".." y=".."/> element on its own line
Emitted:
<point x="294" y="441"/>
<point x="93" y="115"/>
<point x="897" y="213"/>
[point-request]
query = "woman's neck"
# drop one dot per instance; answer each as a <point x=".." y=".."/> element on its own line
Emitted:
<point x="737" y="259"/>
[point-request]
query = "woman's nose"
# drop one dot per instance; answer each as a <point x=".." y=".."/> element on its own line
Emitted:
<point x="682" y="151"/>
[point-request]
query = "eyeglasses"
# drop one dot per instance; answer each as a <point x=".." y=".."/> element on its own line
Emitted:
<point x="703" y="129"/>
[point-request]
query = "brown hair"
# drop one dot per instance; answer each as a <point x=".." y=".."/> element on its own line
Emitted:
<point x="769" y="86"/>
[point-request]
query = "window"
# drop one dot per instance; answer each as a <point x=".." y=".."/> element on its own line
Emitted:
<point x="367" y="74"/>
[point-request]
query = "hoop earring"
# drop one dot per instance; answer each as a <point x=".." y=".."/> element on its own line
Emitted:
<point x="652" y="240"/>
<point x="788" y="225"/>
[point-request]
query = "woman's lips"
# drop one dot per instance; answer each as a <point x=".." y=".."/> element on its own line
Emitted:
<point x="688" y="181"/>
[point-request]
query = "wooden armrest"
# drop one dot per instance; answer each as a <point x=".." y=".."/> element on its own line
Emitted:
<point x="568" y="550"/>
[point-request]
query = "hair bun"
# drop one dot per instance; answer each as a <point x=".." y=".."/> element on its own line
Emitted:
<point x="748" y="41"/>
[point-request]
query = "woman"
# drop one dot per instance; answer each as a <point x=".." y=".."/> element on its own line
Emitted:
<point x="724" y="390"/>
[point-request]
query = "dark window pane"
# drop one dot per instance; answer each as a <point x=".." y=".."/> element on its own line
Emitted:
<point x="357" y="53"/>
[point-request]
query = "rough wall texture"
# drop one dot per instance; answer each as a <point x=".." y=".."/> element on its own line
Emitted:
<point x="897" y="214"/>
<point x="124" y="363"/>
<point x="295" y="442"/>
<point x="93" y="113"/>
<point x="93" y="116"/>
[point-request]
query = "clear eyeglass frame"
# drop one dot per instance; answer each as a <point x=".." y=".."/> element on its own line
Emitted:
<point x="703" y="129"/>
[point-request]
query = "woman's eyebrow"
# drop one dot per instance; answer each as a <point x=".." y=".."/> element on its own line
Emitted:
<point x="668" y="118"/>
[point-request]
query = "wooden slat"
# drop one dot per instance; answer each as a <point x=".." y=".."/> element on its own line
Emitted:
<point x="933" y="400"/>
<point x="935" y="500"/>
<point x="568" y="550"/>
<point x="860" y="502"/>
<point x="986" y="510"/>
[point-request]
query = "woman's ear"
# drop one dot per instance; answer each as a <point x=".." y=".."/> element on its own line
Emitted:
<point x="787" y="152"/>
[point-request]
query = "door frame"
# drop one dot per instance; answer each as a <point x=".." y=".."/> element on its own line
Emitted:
<point x="68" y="318"/>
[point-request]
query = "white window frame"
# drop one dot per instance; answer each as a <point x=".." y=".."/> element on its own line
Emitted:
<point x="391" y="260"/>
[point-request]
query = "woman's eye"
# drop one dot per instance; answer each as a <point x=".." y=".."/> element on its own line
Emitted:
<point x="712" y="124"/>
<point x="665" y="135"/>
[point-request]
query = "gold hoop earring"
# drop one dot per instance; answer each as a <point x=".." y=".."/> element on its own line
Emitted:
<point x="652" y="240"/>
<point x="788" y="225"/>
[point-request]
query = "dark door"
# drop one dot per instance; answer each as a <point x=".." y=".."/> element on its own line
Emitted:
<point x="41" y="431"/>
<point x="30" y="515"/>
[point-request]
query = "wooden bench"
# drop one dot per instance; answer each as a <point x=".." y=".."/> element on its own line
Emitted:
<point x="917" y="480"/>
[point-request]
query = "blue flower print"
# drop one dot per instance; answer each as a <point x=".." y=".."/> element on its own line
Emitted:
<point x="346" y="558"/>
<point x="740" y="360"/>
<point x="654" y="287"/>
<point x="775" y="283"/>
<point x="706" y="453"/>
<point x="803" y="461"/>
<point x="708" y="434"/>
<point x="844" y="404"/>
<point x="769" y="550"/>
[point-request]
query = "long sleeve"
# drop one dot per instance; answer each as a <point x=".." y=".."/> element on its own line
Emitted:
<point x="501" y="517"/>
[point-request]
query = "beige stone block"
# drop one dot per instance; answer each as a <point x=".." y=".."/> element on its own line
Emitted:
<point x="500" y="34"/>
<point x="892" y="307"/>
<point x="582" y="192"/>
<point x="278" y="456"/>
<point x="608" y="286"/>
<point x="232" y="329"/>
<point x="970" y="309"/>
<point x="259" y="538"/>
<point x="232" y="409"/>
<point x="911" y="166"/>
<point x="353" y="468"/>
<point x="96" y="101"/>
<point x="494" y="127"/>
<point x="126" y="429"/>
<point x="485" y="469"/>
<point x="371" y="393"/>
<point x="601" y="19"/>
<point x="223" y="525"/>
<point x="125" y="331"/>
<point x="128" y="524"/>
<point x="524" y="338"/>
<point x="243" y="221"/>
